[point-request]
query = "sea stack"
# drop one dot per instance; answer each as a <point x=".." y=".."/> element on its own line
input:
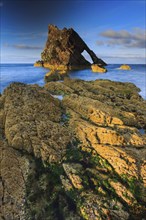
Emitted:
<point x="64" y="48"/>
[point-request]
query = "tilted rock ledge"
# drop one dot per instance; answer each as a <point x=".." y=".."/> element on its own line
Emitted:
<point x="65" y="48"/>
<point x="79" y="158"/>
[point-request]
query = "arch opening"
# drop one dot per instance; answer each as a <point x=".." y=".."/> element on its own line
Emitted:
<point x="87" y="56"/>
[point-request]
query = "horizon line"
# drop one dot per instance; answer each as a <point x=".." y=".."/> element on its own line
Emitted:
<point x="91" y="64"/>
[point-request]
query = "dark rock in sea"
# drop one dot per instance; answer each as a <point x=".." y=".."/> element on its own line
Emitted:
<point x="55" y="75"/>
<point x="79" y="158"/>
<point x="65" y="47"/>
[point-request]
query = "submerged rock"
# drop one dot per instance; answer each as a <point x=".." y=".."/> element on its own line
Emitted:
<point x="55" y="75"/>
<point x="125" y="67"/>
<point x="65" y="47"/>
<point x="79" y="158"/>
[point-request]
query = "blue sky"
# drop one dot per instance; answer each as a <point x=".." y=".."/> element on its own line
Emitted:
<point x="114" y="30"/>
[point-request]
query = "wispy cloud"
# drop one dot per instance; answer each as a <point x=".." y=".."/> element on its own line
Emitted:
<point x="23" y="46"/>
<point x="125" y="56"/>
<point x="100" y="42"/>
<point x="1" y="4"/>
<point x="134" y="39"/>
<point x="30" y="35"/>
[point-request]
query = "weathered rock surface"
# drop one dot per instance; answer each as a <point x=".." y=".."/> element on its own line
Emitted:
<point x="80" y="158"/>
<point x="65" y="47"/>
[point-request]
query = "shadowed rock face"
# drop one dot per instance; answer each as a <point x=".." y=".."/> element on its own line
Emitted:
<point x="79" y="158"/>
<point x="65" y="47"/>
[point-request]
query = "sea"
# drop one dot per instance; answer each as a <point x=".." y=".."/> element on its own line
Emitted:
<point x="27" y="73"/>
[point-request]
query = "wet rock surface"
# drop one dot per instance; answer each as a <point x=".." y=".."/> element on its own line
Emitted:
<point x="79" y="158"/>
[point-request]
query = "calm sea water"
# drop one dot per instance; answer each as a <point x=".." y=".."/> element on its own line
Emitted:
<point x="26" y="73"/>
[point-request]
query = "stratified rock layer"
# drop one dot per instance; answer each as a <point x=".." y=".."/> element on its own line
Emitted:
<point x="80" y="158"/>
<point x="65" y="47"/>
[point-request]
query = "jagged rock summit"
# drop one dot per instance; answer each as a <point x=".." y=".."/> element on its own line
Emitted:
<point x="64" y="48"/>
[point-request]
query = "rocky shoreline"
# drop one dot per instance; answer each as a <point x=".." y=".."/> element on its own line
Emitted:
<point x="82" y="157"/>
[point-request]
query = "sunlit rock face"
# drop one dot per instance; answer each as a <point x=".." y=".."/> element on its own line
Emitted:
<point x="81" y="157"/>
<point x="65" y="47"/>
<point x="98" y="69"/>
<point x="125" y="67"/>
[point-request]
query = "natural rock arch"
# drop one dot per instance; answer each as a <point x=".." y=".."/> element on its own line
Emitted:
<point x="65" y="47"/>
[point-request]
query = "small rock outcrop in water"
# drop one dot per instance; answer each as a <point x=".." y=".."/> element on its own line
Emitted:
<point x="125" y="67"/>
<point x="79" y="158"/>
<point x="98" y="69"/>
<point x="65" y="47"/>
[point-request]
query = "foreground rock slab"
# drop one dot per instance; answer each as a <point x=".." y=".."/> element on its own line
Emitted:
<point x="79" y="158"/>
